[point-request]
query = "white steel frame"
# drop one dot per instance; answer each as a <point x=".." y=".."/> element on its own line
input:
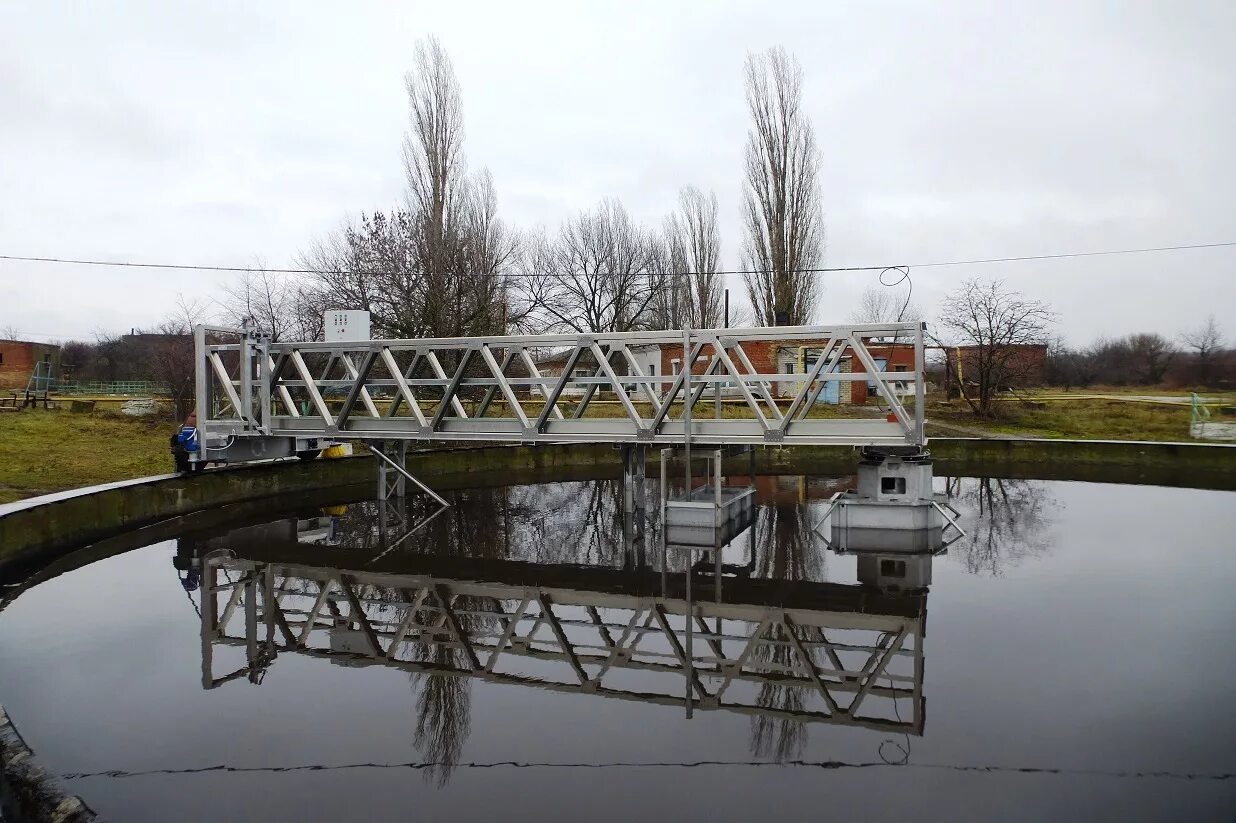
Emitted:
<point x="248" y="386"/>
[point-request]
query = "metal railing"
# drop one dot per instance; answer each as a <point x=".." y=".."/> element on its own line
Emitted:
<point x="603" y="387"/>
<point x="138" y="388"/>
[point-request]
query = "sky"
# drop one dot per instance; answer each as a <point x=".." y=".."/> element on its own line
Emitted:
<point x="235" y="133"/>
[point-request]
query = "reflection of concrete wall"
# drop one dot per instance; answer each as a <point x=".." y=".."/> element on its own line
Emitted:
<point x="29" y="790"/>
<point x="39" y="531"/>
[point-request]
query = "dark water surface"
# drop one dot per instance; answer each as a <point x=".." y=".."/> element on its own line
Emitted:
<point x="1071" y="658"/>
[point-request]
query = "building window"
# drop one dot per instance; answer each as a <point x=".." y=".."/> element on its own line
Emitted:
<point x="1" y="358"/>
<point x="675" y="364"/>
<point x="652" y="369"/>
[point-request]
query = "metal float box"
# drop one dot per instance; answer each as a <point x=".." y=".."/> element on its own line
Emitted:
<point x="893" y="509"/>
<point x="708" y="516"/>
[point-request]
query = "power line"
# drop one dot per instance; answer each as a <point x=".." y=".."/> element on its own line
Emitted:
<point x="819" y="270"/>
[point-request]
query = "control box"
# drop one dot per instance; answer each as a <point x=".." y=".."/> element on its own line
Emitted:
<point x="347" y="326"/>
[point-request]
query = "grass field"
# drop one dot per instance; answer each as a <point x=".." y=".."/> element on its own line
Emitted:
<point x="44" y="451"/>
<point x="1080" y="419"/>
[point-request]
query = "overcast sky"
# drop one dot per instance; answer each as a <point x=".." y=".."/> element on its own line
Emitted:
<point x="224" y="133"/>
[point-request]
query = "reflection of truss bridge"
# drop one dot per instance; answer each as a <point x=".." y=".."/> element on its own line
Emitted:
<point x="844" y="654"/>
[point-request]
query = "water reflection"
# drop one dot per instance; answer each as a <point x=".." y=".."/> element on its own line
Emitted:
<point x="1005" y="521"/>
<point x="538" y="587"/>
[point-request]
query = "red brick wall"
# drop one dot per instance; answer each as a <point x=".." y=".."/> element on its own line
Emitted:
<point x="764" y="354"/>
<point x="899" y="355"/>
<point x="1027" y="364"/>
<point x="17" y="360"/>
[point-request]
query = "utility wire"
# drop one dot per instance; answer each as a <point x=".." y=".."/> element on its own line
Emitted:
<point x="819" y="270"/>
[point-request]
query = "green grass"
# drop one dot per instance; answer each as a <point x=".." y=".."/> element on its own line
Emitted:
<point x="1078" y="419"/>
<point x="45" y="451"/>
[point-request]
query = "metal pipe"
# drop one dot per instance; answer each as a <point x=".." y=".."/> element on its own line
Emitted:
<point x="408" y="475"/>
<point x="686" y="402"/>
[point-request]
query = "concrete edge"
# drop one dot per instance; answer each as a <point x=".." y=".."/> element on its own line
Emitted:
<point x="28" y="791"/>
<point x="43" y="528"/>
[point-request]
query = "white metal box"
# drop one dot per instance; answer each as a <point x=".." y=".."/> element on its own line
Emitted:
<point x="346" y="326"/>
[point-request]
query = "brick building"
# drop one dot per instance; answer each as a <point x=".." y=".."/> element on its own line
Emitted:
<point x="17" y="359"/>
<point x="1020" y="365"/>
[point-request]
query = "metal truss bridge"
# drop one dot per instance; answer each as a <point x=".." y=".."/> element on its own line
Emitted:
<point x="854" y="654"/>
<point x="608" y="388"/>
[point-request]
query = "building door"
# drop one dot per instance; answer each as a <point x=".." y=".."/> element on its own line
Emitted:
<point x="881" y="365"/>
<point x="831" y="393"/>
<point x="832" y="389"/>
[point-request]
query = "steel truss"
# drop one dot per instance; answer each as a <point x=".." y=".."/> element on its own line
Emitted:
<point x="491" y="388"/>
<point x="414" y="622"/>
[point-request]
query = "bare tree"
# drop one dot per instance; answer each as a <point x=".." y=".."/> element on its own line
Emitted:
<point x="1205" y="342"/>
<point x="171" y="351"/>
<point x="996" y="324"/>
<point x="269" y="301"/>
<point x="781" y="205"/>
<point x="439" y="266"/>
<point x="884" y="305"/>
<point x="433" y="156"/>
<point x="693" y="247"/>
<point x="1151" y="355"/>
<point x="10" y="332"/>
<point x="599" y="274"/>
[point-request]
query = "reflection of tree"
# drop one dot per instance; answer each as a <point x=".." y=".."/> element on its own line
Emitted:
<point x="785" y="545"/>
<point x="571" y="523"/>
<point x="785" y="549"/>
<point x="477" y="525"/>
<point x="780" y="738"/>
<point x="1005" y="521"/>
<point x="443" y="715"/>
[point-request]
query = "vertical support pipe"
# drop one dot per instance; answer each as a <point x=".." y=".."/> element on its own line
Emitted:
<point x="210" y="617"/>
<point x="690" y="618"/>
<point x="245" y="412"/>
<point x="920" y="374"/>
<point x="401" y="480"/>
<point x="686" y="402"/>
<point x="268" y="604"/>
<point x="201" y="386"/>
<point x="251" y="619"/>
<point x="665" y="453"/>
<point x="264" y="383"/>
